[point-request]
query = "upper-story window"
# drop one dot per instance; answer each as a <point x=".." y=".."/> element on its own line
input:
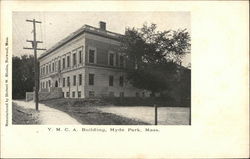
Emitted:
<point x="111" y="59"/>
<point x="122" y="61"/>
<point x="53" y="67"/>
<point x="74" y="59"/>
<point x="92" y="55"/>
<point x="59" y="65"/>
<point x="74" y="80"/>
<point x="55" y="63"/>
<point x="68" y="61"/>
<point x="47" y="69"/>
<point x="63" y="66"/>
<point x="80" y="56"/>
<point x="43" y="70"/>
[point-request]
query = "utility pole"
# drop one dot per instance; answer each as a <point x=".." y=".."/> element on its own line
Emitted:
<point x="34" y="43"/>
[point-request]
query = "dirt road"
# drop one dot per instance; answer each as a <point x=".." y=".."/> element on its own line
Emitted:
<point x="49" y="115"/>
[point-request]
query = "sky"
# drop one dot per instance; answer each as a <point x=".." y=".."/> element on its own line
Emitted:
<point x="57" y="25"/>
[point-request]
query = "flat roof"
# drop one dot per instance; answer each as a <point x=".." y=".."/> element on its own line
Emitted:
<point x="80" y="31"/>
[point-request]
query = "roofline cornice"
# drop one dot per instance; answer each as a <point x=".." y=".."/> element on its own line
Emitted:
<point x="85" y="28"/>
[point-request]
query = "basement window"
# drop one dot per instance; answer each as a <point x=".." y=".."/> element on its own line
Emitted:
<point x="79" y="94"/>
<point x="121" y="94"/>
<point x="111" y="94"/>
<point x="91" y="93"/>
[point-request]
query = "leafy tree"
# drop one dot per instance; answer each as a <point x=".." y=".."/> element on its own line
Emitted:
<point x="153" y="56"/>
<point x="22" y="75"/>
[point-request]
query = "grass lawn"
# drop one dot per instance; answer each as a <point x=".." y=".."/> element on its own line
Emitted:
<point x="24" y="116"/>
<point x="84" y="111"/>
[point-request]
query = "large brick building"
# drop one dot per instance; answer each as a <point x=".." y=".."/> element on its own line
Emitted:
<point x="87" y="64"/>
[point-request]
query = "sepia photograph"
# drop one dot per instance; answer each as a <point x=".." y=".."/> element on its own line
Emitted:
<point x="101" y="68"/>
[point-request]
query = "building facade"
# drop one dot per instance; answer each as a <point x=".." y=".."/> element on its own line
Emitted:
<point x="87" y="63"/>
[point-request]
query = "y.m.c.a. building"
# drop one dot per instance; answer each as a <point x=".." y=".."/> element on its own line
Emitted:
<point x="87" y="63"/>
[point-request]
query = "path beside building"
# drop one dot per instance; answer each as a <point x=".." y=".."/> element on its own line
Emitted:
<point x="49" y="115"/>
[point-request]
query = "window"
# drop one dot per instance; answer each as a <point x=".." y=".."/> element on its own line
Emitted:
<point x="143" y="94"/>
<point x="91" y="93"/>
<point x="68" y="80"/>
<point x="91" y="56"/>
<point x="91" y="79"/>
<point x="67" y="94"/>
<point x="121" y="81"/>
<point x="73" y="94"/>
<point x="80" y="56"/>
<point x="49" y="83"/>
<point x="47" y="69"/>
<point x="121" y="94"/>
<point x="111" y="59"/>
<point x="55" y="63"/>
<point x="111" y="80"/>
<point x="53" y="67"/>
<point x="63" y="63"/>
<point x="43" y="84"/>
<point x="116" y="60"/>
<point x="80" y="79"/>
<point x="74" y="80"/>
<point x="137" y="94"/>
<point x="79" y="94"/>
<point x="43" y="70"/>
<point x="74" y="59"/>
<point x="68" y="61"/>
<point x="63" y="82"/>
<point x="59" y="65"/>
<point x="46" y="84"/>
<point x="111" y="94"/>
<point x="122" y="63"/>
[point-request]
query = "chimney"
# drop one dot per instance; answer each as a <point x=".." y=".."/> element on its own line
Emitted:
<point x="102" y="25"/>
